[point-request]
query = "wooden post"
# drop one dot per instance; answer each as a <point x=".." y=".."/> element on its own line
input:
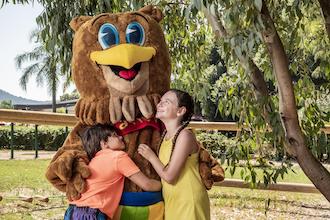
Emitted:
<point x="66" y="127"/>
<point x="11" y="140"/>
<point x="36" y="141"/>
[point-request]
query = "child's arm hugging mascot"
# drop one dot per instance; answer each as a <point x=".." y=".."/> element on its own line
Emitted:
<point x="121" y="67"/>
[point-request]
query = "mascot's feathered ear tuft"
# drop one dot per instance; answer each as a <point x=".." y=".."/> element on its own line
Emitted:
<point x="152" y="11"/>
<point x="78" y="21"/>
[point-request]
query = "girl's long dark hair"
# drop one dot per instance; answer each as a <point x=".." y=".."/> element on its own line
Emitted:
<point x="184" y="100"/>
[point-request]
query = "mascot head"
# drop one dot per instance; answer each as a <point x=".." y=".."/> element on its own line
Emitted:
<point x="117" y="56"/>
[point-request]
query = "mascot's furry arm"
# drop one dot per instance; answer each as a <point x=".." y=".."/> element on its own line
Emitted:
<point x="209" y="168"/>
<point x="68" y="168"/>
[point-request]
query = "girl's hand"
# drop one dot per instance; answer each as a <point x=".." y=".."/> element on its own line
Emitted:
<point x="146" y="152"/>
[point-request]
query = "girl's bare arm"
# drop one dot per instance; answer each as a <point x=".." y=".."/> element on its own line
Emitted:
<point x="145" y="183"/>
<point x="185" y="145"/>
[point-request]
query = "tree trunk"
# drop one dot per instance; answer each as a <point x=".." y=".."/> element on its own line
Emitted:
<point x="54" y="93"/>
<point x="325" y="6"/>
<point x="54" y="101"/>
<point x="295" y="140"/>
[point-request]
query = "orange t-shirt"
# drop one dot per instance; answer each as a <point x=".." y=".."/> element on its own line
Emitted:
<point x="106" y="183"/>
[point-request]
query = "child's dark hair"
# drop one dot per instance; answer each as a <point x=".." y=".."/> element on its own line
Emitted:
<point x="184" y="100"/>
<point x="92" y="137"/>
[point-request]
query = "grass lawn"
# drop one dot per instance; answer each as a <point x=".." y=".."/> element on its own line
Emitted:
<point x="291" y="177"/>
<point x="26" y="178"/>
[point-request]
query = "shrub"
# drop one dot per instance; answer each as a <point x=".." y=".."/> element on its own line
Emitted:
<point x="49" y="137"/>
<point x="216" y="143"/>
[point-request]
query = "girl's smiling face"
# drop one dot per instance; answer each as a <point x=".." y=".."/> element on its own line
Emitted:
<point x="168" y="108"/>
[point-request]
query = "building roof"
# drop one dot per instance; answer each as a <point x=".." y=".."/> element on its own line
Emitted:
<point x="46" y="105"/>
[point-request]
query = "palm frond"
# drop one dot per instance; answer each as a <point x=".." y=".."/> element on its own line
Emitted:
<point x="34" y="35"/>
<point x="34" y="55"/>
<point x="27" y="73"/>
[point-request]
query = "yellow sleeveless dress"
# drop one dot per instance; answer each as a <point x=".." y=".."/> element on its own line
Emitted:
<point x="187" y="199"/>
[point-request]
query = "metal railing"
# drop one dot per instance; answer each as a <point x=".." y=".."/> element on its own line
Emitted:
<point x="46" y="118"/>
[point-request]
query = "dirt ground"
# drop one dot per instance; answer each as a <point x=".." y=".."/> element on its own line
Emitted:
<point x="226" y="203"/>
<point x="260" y="204"/>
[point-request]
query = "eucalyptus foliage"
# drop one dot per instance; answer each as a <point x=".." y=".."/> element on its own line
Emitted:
<point x="300" y="25"/>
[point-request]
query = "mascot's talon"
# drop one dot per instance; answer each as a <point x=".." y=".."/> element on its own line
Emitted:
<point x="156" y="99"/>
<point x="145" y="106"/>
<point x="114" y="109"/>
<point x="128" y="108"/>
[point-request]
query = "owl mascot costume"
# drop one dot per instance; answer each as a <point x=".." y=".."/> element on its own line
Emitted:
<point x="121" y="67"/>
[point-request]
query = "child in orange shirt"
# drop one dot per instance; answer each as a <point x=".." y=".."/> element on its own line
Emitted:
<point x="109" y="164"/>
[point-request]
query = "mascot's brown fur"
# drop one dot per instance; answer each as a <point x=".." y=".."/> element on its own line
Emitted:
<point x="119" y="84"/>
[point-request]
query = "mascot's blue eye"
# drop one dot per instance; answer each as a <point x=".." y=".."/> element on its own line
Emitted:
<point x="135" y="33"/>
<point x="108" y="35"/>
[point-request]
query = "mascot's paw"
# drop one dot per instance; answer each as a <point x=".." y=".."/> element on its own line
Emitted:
<point x="75" y="187"/>
<point x="59" y="171"/>
<point x="206" y="175"/>
<point x="63" y="167"/>
<point x="68" y="172"/>
<point x="81" y="168"/>
<point x="77" y="184"/>
<point x="209" y="168"/>
<point x="218" y="173"/>
<point x="71" y="192"/>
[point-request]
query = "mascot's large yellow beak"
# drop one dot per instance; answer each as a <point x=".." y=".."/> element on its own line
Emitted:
<point x="125" y="55"/>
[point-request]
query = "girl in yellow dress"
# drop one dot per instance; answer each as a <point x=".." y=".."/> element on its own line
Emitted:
<point x="185" y="195"/>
